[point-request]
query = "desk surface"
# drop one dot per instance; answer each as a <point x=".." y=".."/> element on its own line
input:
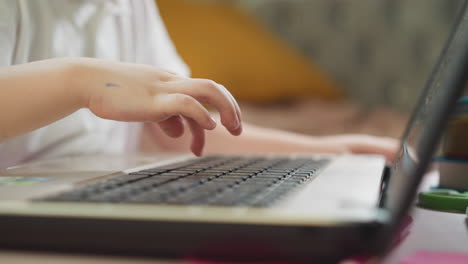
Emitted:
<point x="434" y="231"/>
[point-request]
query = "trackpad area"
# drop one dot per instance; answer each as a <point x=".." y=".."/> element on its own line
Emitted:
<point x="46" y="177"/>
<point x="35" y="185"/>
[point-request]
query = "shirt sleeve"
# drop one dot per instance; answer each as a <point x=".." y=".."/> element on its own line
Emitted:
<point x="8" y="29"/>
<point x="163" y="52"/>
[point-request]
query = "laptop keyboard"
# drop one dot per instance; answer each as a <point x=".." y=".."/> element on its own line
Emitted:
<point x="217" y="181"/>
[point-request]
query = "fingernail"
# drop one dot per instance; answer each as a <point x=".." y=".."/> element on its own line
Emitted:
<point x="237" y="123"/>
<point x="240" y="129"/>
<point x="213" y="122"/>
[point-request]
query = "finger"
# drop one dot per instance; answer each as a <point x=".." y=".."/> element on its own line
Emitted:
<point x="209" y="92"/>
<point x="172" y="76"/>
<point x="168" y="105"/>
<point x="237" y="131"/>
<point x="377" y="145"/>
<point x="370" y="149"/>
<point x="198" y="137"/>
<point x="172" y="126"/>
<point x="234" y="102"/>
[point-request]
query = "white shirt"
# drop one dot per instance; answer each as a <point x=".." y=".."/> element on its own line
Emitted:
<point x="123" y="30"/>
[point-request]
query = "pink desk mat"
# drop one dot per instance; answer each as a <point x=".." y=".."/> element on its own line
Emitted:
<point x="431" y="257"/>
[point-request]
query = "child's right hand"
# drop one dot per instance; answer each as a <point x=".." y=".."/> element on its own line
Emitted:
<point x="133" y="92"/>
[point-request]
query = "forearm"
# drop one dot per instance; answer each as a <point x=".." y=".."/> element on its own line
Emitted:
<point x="34" y="95"/>
<point x="257" y="140"/>
<point x="266" y="140"/>
<point x="253" y="140"/>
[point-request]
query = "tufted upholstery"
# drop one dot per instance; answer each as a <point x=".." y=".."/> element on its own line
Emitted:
<point x="380" y="51"/>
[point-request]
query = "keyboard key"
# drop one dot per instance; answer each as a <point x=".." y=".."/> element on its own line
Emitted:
<point x="219" y="181"/>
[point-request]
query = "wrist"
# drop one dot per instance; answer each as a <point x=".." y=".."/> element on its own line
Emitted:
<point x="77" y="73"/>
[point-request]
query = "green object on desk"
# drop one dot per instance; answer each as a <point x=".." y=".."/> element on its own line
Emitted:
<point x="444" y="200"/>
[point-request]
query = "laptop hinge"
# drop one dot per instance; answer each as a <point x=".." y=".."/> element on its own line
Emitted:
<point x="384" y="185"/>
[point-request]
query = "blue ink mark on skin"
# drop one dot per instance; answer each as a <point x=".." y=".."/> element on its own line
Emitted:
<point x="112" y="85"/>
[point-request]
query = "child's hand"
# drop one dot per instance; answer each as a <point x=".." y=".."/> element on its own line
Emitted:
<point x="359" y="143"/>
<point x="132" y="92"/>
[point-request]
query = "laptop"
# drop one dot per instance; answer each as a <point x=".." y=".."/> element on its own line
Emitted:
<point x="296" y="207"/>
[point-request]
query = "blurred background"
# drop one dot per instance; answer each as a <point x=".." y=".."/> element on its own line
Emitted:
<point x="315" y="66"/>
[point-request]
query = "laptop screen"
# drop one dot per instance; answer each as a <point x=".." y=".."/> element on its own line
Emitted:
<point x="429" y="119"/>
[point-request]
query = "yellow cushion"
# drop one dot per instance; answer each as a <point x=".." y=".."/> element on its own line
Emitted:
<point x="220" y="42"/>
